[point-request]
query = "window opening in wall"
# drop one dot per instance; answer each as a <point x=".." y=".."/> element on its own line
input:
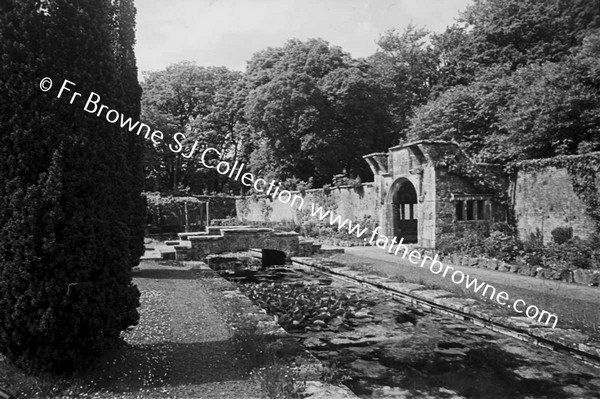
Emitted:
<point x="471" y="209"/>
<point x="470" y="215"/>
<point x="480" y="209"/>
<point x="459" y="210"/>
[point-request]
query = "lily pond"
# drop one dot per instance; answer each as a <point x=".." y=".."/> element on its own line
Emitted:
<point x="380" y="348"/>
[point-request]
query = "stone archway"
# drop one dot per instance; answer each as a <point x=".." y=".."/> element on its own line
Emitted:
<point x="405" y="223"/>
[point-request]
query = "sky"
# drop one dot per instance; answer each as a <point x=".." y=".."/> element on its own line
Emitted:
<point x="228" y="32"/>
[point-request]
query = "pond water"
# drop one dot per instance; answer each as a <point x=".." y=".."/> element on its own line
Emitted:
<point x="381" y="348"/>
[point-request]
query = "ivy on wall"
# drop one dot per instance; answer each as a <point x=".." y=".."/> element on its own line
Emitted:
<point x="481" y="179"/>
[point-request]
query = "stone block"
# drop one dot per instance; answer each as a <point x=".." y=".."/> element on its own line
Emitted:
<point x="515" y="268"/>
<point x="503" y="266"/>
<point x="182" y="253"/>
<point x="464" y="261"/>
<point x="582" y="276"/>
<point x="566" y="276"/>
<point x="492" y="264"/>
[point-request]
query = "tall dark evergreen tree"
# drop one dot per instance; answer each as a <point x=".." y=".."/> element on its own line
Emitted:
<point x="67" y="182"/>
<point x="130" y="92"/>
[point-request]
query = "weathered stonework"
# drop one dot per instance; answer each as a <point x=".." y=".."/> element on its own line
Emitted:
<point x="434" y="194"/>
<point x="544" y="200"/>
<point x="411" y="197"/>
<point x="242" y="239"/>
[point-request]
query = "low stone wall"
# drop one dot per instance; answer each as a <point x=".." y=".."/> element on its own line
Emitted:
<point x="242" y="239"/>
<point x="577" y="276"/>
<point x="354" y="203"/>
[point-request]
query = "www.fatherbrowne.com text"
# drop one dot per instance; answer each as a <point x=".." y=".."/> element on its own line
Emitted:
<point x="235" y="170"/>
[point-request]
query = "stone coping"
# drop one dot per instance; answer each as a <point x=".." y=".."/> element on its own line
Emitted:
<point x="185" y="235"/>
<point x="205" y="238"/>
<point x="286" y="234"/>
<point x="576" y="343"/>
<point x="246" y="230"/>
<point x="590" y="278"/>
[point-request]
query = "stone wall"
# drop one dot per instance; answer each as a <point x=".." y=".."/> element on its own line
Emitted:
<point x="544" y="199"/>
<point x="241" y="239"/>
<point x="220" y="206"/>
<point x="351" y="203"/>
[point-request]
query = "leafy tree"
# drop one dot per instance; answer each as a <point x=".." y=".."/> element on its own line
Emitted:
<point x="314" y="111"/>
<point x="555" y="111"/>
<point x="467" y="114"/>
<point x="406" y="68"/>
<point x="202" y="104"/>
<point x="65" y="185"/>
<point x="517" y="80"/>
<point x="512" y="33"/>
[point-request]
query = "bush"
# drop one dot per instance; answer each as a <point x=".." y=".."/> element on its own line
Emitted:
<point x="66" y="185"/>
<point x="561" y="235"/>
<point x="502" y="246"/>
<point x="502" y="227"/>
<point x="468" y="243"/>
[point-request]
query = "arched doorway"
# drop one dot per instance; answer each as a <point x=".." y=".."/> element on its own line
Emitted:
<point x="404" y="210"/>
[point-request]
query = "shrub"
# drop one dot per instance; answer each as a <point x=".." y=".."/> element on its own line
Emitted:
<point x="502" y="227"/>
<point x="561" y="235"/>
<point x="502" y="246"/>
<point x="67" y="186"/>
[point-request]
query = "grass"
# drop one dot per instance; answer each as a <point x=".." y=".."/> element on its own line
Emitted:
<point x="277" y="378"/>
<point x="280" y="381"/>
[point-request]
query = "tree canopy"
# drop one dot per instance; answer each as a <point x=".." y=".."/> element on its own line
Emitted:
<point x="518" y="80"/>
<point x="511" y="79"/>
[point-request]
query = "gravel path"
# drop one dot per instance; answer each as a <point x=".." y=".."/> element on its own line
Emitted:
<point x="182" y="340"/>
<point x="400" y="266"/>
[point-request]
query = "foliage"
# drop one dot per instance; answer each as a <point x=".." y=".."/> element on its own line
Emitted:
<point x="582" y="170"/>
<point x="342" y="179"/>
<point x="517" y="80"/>
<point x="67" y="188"/>
<point x="301" y="306"/>
<point x="560" y="235"/>
<point x="502" y="246"/>
<point x="469" y="242"/>
<point x="277" y="379"/>
<point x="407" y="68"/>
<point x="173" y="208"/>
<point x="566" y="253"/>
<point x="514" y="33"/>
<point x="280" y="381"/>
<point x="253" y="345"/>
<point x="314" y="111"/>
<point x="482" y="179"/>
<point x="203" y="103"/>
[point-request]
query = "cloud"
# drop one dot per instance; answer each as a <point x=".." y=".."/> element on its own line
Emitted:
<point x="228" y="32"/>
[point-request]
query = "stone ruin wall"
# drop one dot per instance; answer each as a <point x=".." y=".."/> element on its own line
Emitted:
<point x="349" y="202"/>
<point x="544" y="200"/>
<point x="541" y="200"/>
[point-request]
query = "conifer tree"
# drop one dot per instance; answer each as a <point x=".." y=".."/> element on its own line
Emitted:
<point x="67" y="185"/>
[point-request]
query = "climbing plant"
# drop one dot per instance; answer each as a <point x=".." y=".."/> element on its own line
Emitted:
<point x="583" y="171"/>
<point x="481" y="179"/>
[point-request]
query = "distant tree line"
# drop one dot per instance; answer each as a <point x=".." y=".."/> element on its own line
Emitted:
<point x="509" y="80"/>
